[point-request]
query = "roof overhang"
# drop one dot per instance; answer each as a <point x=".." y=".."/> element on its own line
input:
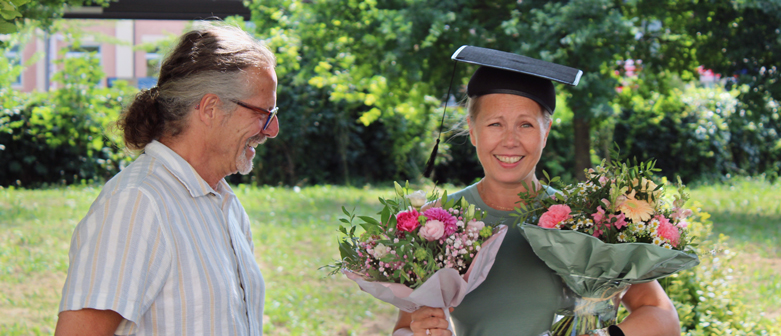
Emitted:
<point x="161" y="10"/>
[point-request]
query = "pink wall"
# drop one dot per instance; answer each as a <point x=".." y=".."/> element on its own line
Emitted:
<point x="142" y="31"/>
<point x="30" y="73"/>
<point x="153" y="28"/>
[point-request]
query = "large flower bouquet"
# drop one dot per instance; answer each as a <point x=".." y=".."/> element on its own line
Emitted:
<point x="413" y="256"/>
<point x="615" y="229"/>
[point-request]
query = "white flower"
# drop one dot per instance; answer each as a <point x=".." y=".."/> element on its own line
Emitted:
<point x="622" y="237"/>
<point x="417" y="199"/>
<point x="380" y="251"/>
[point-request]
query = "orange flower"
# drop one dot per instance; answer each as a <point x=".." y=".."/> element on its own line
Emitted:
<point x="636" y="210"/>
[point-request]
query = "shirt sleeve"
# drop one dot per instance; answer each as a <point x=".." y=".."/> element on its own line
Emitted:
<point x="119" y="257"/>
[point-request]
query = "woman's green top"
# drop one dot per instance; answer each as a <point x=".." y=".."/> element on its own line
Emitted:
<point x="520" y="294"/>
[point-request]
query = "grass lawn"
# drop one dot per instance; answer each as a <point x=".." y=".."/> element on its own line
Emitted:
<point x="295" y="234"/>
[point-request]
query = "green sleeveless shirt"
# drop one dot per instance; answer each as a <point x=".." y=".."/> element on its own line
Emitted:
<point x="520" y="294"/>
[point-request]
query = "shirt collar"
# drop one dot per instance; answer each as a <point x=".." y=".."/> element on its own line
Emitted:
<point x="183" y="171"/>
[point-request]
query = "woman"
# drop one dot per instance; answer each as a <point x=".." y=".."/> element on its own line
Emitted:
<point x="509" y="119"/>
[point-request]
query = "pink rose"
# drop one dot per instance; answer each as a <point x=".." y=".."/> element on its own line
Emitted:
<point x="668" y="231"/>
<point x="433" y="230"/>
<point x="555" y="215"/>
<point x="475" y="225"/>
<point x="443" y="216"/>
<point x="407" y="220"/>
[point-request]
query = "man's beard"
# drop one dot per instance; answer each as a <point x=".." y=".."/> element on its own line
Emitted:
<point x="243" y="164"/>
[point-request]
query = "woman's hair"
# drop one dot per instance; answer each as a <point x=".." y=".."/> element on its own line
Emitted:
<point x="472" y="104"/>
<point x="212" y="59"/>
<point x="471" y="113"/>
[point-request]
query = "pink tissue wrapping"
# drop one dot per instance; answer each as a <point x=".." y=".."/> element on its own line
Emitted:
<point x="445" y="289"/>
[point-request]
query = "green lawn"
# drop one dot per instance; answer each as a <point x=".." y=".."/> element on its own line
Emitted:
<point x="749" y="212"/>
<point x="295" y="234"/>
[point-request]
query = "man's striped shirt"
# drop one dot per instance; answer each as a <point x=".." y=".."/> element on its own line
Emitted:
<point x="167" y="252"/>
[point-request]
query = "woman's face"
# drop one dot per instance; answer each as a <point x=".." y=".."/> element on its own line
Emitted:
<point x="509" y="133"/>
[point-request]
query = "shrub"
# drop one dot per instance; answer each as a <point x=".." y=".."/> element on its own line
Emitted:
<point x="697" y="133"/>
<point x="707" y="297"/>
<point x="63" y="136"/>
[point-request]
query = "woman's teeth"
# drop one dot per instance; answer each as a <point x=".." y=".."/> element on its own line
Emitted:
<point x="508" y="159"/>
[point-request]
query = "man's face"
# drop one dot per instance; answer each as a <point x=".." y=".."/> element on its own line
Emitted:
<point x="242" y="131"/>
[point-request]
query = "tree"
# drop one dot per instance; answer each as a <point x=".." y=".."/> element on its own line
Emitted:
<point x="44" y="12"/>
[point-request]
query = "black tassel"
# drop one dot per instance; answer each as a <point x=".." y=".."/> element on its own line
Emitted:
<point x="431" y="159"/>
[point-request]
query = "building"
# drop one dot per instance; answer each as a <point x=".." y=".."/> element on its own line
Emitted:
<point x="115" y="42"/>
<point x="114" y="33"/>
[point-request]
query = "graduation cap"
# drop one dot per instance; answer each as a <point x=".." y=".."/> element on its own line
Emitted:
<point x="504" y="72"/>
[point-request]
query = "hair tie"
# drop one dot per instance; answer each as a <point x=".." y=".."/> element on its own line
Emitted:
<point x="154" y="92"/>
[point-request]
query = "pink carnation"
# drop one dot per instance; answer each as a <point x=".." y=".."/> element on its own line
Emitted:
<point x="433" y="230"/>
<point x="407" y="220"/>
<point x="555" y="215"/>
<point x="620" y="220"/>
<point x="443" y="216"/>
<point x="475" y="225"/>
<point x="668" y="231"/>
<point x="599" y="217"/>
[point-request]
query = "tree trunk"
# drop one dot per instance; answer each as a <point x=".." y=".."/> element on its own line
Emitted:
<point x="582" y="131"/>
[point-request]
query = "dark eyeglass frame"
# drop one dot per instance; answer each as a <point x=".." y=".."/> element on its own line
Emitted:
<point x="271" y="114"/>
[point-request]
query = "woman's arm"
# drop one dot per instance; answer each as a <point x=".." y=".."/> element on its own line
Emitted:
<point x="417" y="322"/>
<point x="651" y="312"/>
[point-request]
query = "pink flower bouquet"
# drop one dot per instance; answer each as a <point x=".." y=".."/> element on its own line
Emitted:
<point x="413" y="257"/>
<point x="615" y="229"/>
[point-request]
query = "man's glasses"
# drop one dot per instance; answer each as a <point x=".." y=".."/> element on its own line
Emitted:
<point x="270" y="114"/>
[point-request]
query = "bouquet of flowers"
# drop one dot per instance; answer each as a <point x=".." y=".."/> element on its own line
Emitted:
<point x="615" y="229"/>
<point x="413" y="256"/>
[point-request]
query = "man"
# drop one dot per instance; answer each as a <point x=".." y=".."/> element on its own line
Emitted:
<point x="166" y="247"/>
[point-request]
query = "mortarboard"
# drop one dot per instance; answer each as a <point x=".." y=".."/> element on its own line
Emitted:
<point x="504" y="72"/>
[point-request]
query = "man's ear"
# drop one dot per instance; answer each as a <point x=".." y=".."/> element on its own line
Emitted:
<point x="207" y="108"/>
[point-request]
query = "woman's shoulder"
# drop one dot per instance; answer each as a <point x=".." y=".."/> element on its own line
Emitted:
<point x="469" y="193"/>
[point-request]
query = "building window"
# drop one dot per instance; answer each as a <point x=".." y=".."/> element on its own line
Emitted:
<point x="83" y="51"/>
<point x="14" y="58"/>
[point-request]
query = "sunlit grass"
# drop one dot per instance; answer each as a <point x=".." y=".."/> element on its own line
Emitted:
<point x="748" y="210"/>
<point x="295" y="232"/>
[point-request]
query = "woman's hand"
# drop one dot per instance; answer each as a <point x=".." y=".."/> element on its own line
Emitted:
<point x="424" y="321"/>
<point x="429" y="321"/>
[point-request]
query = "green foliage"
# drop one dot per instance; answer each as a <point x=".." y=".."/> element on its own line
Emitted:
<point x="707" y="298"/>
<point x="45" y="12"/>
<point x="696" y="133"/>
<point x="9" y="11"/>
<point x="63" y="136"/>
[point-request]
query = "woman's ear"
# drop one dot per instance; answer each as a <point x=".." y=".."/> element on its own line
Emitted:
<point x="472" y="136"/>
<point x="547" y="131"/>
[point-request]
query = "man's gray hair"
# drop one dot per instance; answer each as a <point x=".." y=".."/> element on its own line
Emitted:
<point x="212" y="59"/>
